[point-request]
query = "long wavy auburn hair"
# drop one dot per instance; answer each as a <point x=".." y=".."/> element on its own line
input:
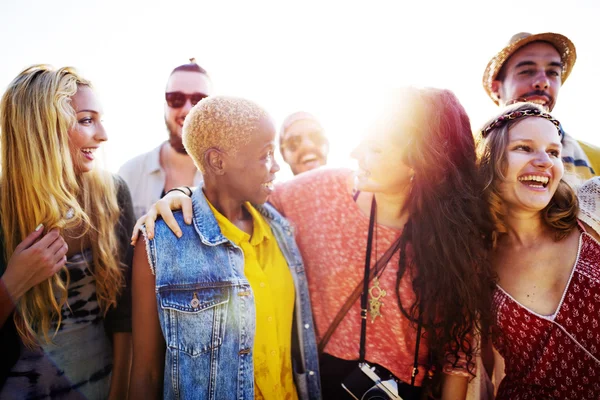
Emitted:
<point x="38" y="184"/>
<point x="560" y="215"/>
<point x="449" y="228"/>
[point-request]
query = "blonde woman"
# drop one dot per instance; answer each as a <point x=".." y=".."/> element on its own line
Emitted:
<point x="64" y="303"/>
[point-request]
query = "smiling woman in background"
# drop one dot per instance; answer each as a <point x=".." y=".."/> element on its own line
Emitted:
<point x="64" y="262"/>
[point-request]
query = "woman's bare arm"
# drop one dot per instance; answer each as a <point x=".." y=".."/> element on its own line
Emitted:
<point x="454" y="387"/>
<point x="119" y="382"/>
<point x="148" y="342"/>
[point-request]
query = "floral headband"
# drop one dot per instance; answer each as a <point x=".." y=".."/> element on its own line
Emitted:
<point x="503" y="119"/>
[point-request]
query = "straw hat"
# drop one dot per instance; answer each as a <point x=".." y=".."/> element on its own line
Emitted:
<point x="561" y="43"/>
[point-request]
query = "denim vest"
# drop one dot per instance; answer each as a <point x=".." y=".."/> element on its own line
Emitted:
<point x="207" y="314"/>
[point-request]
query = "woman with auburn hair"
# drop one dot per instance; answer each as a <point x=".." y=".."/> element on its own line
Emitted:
<point x="64" y="300"/>
<point x="411" y="220"/>
<point x="547" y="301"/>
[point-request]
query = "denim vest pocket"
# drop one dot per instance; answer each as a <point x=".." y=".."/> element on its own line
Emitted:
<point x="195" y="319"/>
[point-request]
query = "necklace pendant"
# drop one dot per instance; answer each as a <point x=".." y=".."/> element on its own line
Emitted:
<point x="376" y="293"/>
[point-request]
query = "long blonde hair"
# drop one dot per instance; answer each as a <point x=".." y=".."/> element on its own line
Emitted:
<point x="38" y="185"/>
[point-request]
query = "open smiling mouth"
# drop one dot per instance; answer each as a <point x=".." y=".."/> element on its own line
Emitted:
<point x="540" y="101"/>
<point x="88" y="153"/>
<point x="535" y="181"/>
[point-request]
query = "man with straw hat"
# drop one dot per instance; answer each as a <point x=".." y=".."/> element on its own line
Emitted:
<point x="533" y="68"/>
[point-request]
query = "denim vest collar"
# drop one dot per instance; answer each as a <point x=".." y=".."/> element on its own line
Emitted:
<point x="205" y="222"/>
<point x="208" y="229"/>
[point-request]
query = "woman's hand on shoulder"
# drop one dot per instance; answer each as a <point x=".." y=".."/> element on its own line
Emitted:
<point x="37" y="258"/>
<point x="175" y="200"/>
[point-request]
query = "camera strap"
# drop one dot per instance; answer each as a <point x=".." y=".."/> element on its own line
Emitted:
<point x="415" y="370"/>
<point x="362" y="290"/>
<point x="356" y="293"/>
<point x="365" y="293"/>
<point x="364" y="298"/>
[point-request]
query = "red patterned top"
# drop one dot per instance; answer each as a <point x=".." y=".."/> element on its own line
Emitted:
<point x="558" y="356"/>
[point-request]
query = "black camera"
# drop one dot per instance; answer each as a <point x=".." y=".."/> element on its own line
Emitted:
<point x="371" y="383"/>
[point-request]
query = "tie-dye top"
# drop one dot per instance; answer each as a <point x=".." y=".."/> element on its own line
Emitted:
<point x="78" y="362"/>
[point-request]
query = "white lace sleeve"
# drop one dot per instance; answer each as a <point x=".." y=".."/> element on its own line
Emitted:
<point x="589" y="203"/>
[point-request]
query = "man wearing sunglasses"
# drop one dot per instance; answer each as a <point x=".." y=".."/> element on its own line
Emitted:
<point x="151" y="174"/>
<point x="303" y="143"/>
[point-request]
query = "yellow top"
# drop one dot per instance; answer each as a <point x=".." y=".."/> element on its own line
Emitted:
<point x="273" y="289"/>
<point x="593" y="154"/>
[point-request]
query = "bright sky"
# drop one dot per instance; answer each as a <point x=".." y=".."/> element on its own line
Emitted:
<point x="322" y="56"/>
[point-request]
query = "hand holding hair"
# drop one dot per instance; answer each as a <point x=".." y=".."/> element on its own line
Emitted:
<point x="34" y="261"/>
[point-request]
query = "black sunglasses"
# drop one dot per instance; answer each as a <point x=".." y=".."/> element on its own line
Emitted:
<point x="178" y="99"/>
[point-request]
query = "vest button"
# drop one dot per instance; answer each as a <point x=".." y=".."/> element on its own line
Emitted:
<point x="195" y="302"/>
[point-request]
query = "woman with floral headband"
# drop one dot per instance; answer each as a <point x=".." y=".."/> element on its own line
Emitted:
<point x="412" y="240"/>
<point x="547" y="301"/>
<point x="64" y="253"/>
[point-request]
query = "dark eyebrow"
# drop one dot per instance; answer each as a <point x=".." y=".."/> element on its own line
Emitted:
<point x="531" y="63"/>
<point x="529" y="141"/>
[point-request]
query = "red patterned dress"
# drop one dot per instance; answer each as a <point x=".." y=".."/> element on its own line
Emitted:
<point x="558" y="356"/>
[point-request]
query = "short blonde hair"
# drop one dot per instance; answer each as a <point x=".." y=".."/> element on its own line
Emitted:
<point x="221" y="122"/>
